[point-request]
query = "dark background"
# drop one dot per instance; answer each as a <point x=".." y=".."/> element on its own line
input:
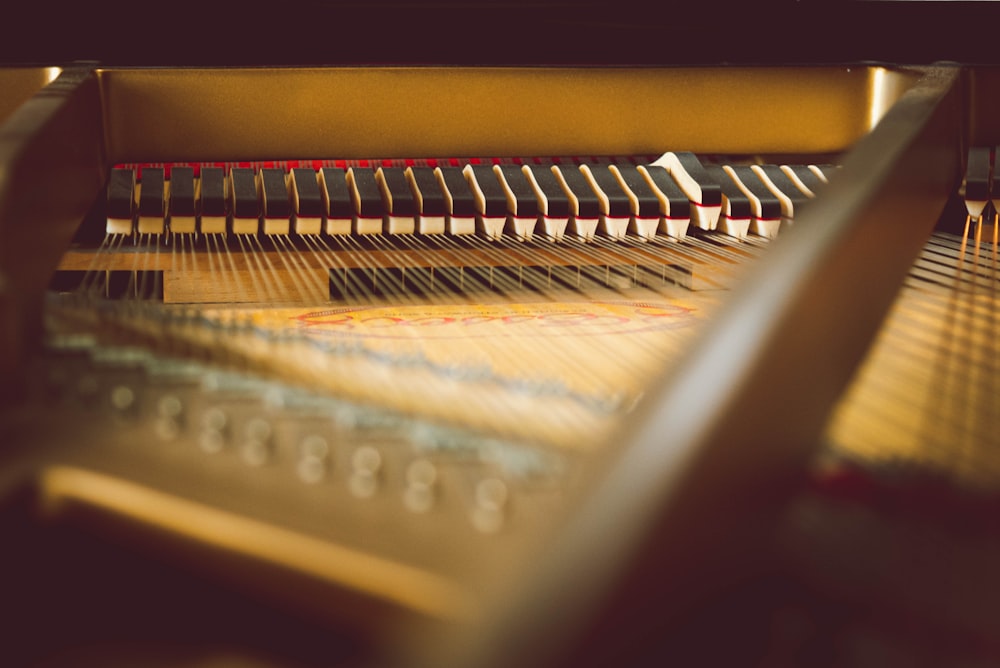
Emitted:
<point x="318" y="32"/>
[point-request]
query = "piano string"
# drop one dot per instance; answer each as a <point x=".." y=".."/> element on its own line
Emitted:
<point x="578" y="288"/>
<point x="937" y="357"/>
<point x="909" y="463"/>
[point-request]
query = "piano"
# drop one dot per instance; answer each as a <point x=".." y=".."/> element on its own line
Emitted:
<point x="280" y="445"/>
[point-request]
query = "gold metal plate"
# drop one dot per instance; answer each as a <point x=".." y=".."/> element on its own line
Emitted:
<point x="384" y="112"/>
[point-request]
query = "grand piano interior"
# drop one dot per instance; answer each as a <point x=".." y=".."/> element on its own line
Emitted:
<point x="797" y="469"/>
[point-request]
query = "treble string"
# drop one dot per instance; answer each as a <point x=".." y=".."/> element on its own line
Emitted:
<point x="526" y="319"/>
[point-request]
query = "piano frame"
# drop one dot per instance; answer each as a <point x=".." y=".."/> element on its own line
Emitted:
<point x="743" y="410"/>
